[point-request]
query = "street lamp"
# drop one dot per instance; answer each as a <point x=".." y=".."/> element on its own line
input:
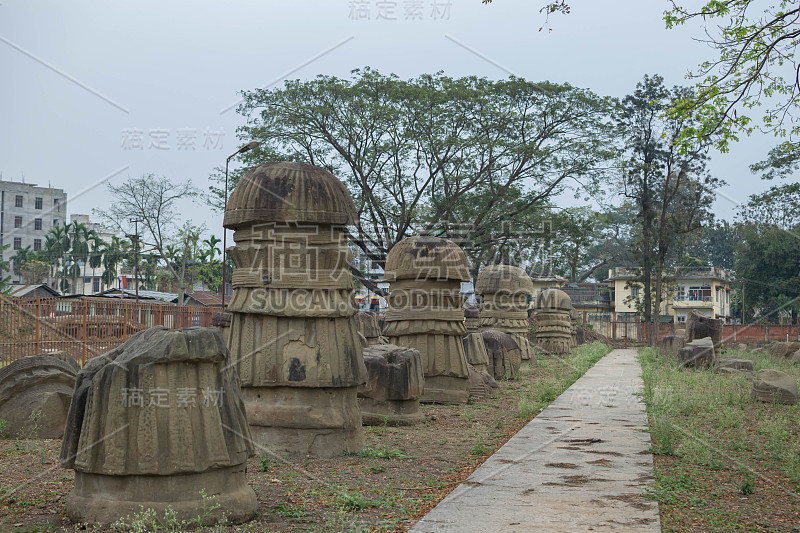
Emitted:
<point x="243" y="149"/>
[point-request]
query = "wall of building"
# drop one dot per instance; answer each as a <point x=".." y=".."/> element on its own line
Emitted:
<point x="27" y="213"/>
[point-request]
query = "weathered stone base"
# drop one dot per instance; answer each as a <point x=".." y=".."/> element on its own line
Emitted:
<point x="321" y="422"/>
<point x="101" y="499"/>
<point x="390" y="412"/>
<point x="445" y="389"/>
<point x="554" y="345"/>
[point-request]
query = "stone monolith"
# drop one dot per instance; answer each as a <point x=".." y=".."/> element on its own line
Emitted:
<point x="552" y="321"/>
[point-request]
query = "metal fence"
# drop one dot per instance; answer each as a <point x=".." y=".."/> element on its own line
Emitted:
<point x="84" y="328"/>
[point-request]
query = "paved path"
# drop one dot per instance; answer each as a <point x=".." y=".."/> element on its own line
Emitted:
<point x="581" y="465"/>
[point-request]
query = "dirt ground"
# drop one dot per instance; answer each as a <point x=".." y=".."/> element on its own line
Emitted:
<point x="400" y="474"/>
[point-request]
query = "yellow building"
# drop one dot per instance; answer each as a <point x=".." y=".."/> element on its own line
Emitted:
<point x="542" y="282"/>
<point x="706" y="290"/>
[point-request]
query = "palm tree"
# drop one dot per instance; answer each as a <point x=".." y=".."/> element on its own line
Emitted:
<point x="55" y="246"/>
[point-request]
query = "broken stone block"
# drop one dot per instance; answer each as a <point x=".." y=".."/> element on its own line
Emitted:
<point x="733" y="365"/>
<point x="796" y="357"/>
<point x="552" y="322"/>
<point x="505" y="291"/>
<point x="152" y="423"/>
<point x="481" y="385"/>
<point x="774" y="386"/>
<point x="698" y="353"/>
<point x="782" y="350"/>
<point x="35" y="393"/>
<point x="670" y="345"/>
<point x="395" y="382"/>
<point x="700" y="327"/>
<point x="293" y="339"/>
<point x="368" y="326"/>
<point x="742" y="347"/>
<point x="505" y="356"/>
<point x="475" y="350"/>
<point x="426" y="312"/>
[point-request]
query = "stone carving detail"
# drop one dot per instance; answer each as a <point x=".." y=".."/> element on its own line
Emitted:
<point x="505" y="291"/>
<point x="35" y="393"/>
<point x="573" y="322"/>
<point x="426" y="312"/>
<point x="153" y="422"/>
<point x="293" y="338"/>
<point x="395" y="382"/>
<point x="505" y="357"/>
<point x="774" y="386"/>
<point x="475" y="350"/>
<point x="700" y="327"/>
<point x="552" y="321"/>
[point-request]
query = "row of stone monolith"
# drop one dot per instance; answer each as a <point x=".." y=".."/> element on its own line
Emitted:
<point x="505" y="292"/>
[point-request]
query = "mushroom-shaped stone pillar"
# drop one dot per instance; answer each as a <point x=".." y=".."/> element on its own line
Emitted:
<point x="505" y="291"/>
<point x="552" y="321"/>
<point x="153" y="423"/>
<point x="292" y="337"/>
<point x="426" y="312"/>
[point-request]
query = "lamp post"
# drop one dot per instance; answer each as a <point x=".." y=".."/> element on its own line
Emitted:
<point x="243" y="149"/>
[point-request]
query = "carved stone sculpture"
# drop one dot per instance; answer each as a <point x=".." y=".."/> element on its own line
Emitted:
<point x="293" y="338"/>
<point x="552" y="321"/>
<point x="426" y="312"/>
<point x="152" y="423"/>
<point x="395" y="382"/>
<point x="505" y="291"/>
<point x="35" y="393"/>
<point x="505" y="357"/>
<point x="475" y="350"/>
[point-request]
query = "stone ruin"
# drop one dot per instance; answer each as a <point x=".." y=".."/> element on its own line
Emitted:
<point x="395" y="382"/>
<point x="774" y="386"/>
<point x="293" y="339"/>
<point x="552" y="322"/>
<point x="573" y="324"/>
<point x="369" y="328"/>
<point x="505" y="291"/>
<point x="475" y="350"/>
<point x="733" y="365"/>
<point x="670" y="345"/>
<point x="700" y="327"/>
<point x="152" y="423"/>
<point x="426" y="312"/>
<point x="472" y="319"/>
<point x="504" y="354"/>
<point x="698" y="353"/>
<point x="35" y="393"/>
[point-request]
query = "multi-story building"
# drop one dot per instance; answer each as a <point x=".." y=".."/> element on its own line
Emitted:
<point x="706" y="290"/>
<point x="27" y="212"/>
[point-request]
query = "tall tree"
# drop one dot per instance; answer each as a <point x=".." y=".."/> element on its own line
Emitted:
<point x="755" y="68"/>
<point x="670" y="186"/>
<point x="435" y="155"/>
<point x="151" y="200"/>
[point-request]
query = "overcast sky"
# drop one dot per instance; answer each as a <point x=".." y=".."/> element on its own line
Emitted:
<point x="98" y="91"/>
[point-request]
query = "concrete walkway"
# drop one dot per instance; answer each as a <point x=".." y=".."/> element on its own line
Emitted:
<point x="581" y="465"/>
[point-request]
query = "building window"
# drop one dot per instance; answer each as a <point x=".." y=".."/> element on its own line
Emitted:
<point x="17" y="243"/>
<point x="37" y="245"/>
<point x="17" y="222"/>
<point x="635" y="292"/>
<point x="37" y="223"/>
<point x="55" y="222"/>
<point x="18" y="201"/>
<point x="37" y="203"/>
<point x="96" y="285"/>
<point x="56" y="206"/>
<point x="87" y="280"/>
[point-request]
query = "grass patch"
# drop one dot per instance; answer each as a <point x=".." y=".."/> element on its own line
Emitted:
<point x="714" y="447"/>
